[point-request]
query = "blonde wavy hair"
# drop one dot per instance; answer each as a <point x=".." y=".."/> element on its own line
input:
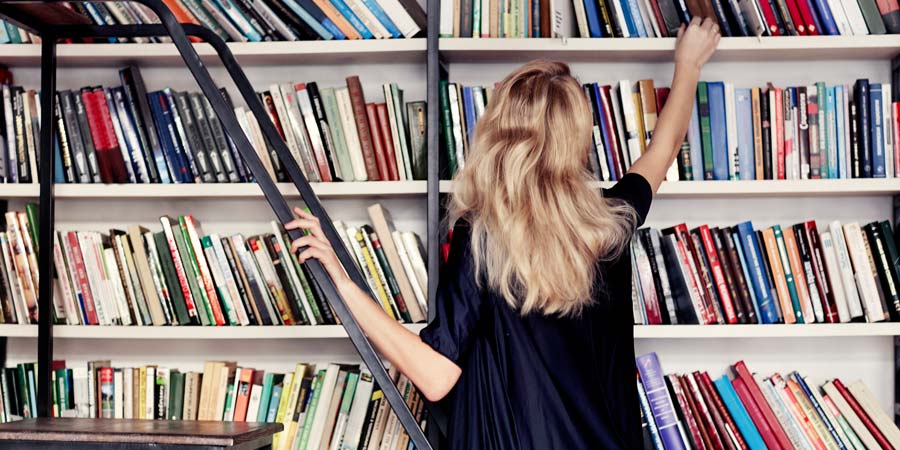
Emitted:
<point x="538" y="226"/>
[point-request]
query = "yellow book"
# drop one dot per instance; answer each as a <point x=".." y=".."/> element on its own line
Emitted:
<point x="370" y="263"/>
<point x="142" y="388"/>
<point x="639" y="115"/>
<point x="283" y="406"/>
<point x="289" y="422"/>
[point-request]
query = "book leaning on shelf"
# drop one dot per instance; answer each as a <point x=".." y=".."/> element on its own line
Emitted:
<point x="181" y="276"/>
<point x="332" y="406"/>
<point x="124" y="134"/>
<point x="791" y="274"/>
<point x="768" y="133"/>
<point x="747" y="410"/>
<point x="256" y="20"/>
<point x="662" y="18"/>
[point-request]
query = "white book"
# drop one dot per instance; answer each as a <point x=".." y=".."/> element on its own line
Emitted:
<point x="356" y="418"/>
<point x="600" y="151"/>
<point x="617" y="6"/>
<point x="863" y="270"/>
<point x="406" y="262"/>
<point x="228" y="415"/>
<point x="341" y="229"/>
<point x="118" y="395"/>
<point x="580" y="19"/>
<point x="108" y="293"/>
<point x="458" y="120"/>
<point x="855" y="423"/>
<point x="303" y="152"/>
<point x="282" y="101"/>
<point x="63" y="281"/>
<point x="395" y="137"/>
<point x="888" y="129"/>
<point x="292" y="273"/>
<point x="112" y="271"/>
<point x="368" y="19"/>
<point x="228" y="279"/>
<point x="871" y="407"/>
<point x="321" y="413"/>
<point x="486" y="18"/>
<point x="253" y="402"/>
<point x="128" y="392"/>
<point x="834" y="277"/>
<point x="855" y="17"/>
<point x="413" y="251"/>
<point x="82" y="391"/>
<point x="446" y="26"/>
<point x="354" y="147"/>
<point x="562" y="21"/>
<point x="249" y="261"/>
<point x="841" y="252"/>
<point x="646" y="17"/>
<point x="149" y="388"/>
<point x="241" y="115"/>
<point x="840" y="18"/>
<point x="633" y="135"/>
<point x="731" y="128"/>
<point x="402" y="20"/>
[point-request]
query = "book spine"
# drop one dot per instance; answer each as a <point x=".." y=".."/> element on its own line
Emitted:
<point x="660" y="402"/>
<point x="362" y="126"/>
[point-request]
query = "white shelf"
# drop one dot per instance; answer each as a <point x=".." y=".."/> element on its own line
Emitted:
<point x="660" y="49"/>
<point x="247" y="53"/>
<point x="765" y="188"/>
<point x="215" y="190"/>
<point x="337" y="332"/>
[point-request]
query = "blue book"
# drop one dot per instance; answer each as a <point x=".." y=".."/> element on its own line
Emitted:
<point x="58" y="176"/>
<point x="469" y="111"/>
<point x="739" y="414"/>
<point x="319" y="27"/>
<point x="876" y="127"/>
<point x="842" y="151"/>
<point x="354" y="21"/>
<point x="815" y="15"/>
<point x="382" y="17"/>
<point x="744" y="117"/>
<point x="740" y="252"/>
<point x="593" y="18"/>
<point x="162" y="118"/>
<point x="239" y="20"/>
<point x="4" y="33"/>
<point x="826" y="19"/>
<point x="314" y="10"/>
<point x="861" y="99"/>
<point x="758" y="278"/>
<point x="264" y="399"/>
<point x="604" y="132"/>
<point x="694" y="141"/>
<point x="13" y="33"/>
<point x="535" y="19"/>
<point x="819" y="409"/>
<point x="274" y="402"/>
<point x="635" y="12"/>
<point x="182" y="146"/>
<point x="718" y="130"/>
<point x="626" y="14"/>
<point x="661" y="405"/>
<point x="830" y="130"/>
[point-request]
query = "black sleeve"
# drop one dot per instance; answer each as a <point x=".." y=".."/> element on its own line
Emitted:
<point x="635" y="190"/>
<point x="459" y="302"/>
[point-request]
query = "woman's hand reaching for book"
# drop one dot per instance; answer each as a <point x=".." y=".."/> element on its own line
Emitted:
<point x="697" y="41"/>
<point x="317" y="246"/>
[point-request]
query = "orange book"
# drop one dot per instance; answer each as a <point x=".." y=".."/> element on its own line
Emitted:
<point x="790" y="243"/>
<point x="648" y="107"/>
<point x="338" y="19"/>
<point x="243" y="395"/>
<point x="182" y="15"/>
<point x="784" y="297"/>
<point x="792" y="391"/>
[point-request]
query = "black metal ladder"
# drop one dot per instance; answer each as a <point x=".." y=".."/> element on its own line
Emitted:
<point x="54" y="22"/>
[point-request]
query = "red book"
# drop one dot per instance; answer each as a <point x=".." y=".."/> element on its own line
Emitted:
<point x="717" y="420"/>
<point x="866" y="420"/>
<point x="684" y="238"/>
<point x="170" y="227"/>
<point x="182" y="16"/>
<point x="610" y="125"/>
<point x="808" y="20"/>
<point x="84" y="286"/>
<point x="390" y="153"/>
<point x="358" y="102"/>
<point x="657" y="15"/>
<point x="378" y="142"/>
<point x="269" y="103"/>
<point x="706" y="415"/>
<point x="769" y="15"/>
<point x="243" y="395"/>
<point x="708" y="288"/>
<point x="690" y="420"/>
<point x="105" y="392"/>
<point x="744" y="374"/>
<point x="662" y="94"/>
<point x="727" y="420"/>
<point x="116" y="162"/>
<point x="756" y="414"/>
<point x="796" y="17"/>
<point x="823" y="283"/>
<point x="718" y="275"/>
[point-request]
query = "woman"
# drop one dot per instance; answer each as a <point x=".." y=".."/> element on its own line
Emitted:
<point x="532" y="341"/>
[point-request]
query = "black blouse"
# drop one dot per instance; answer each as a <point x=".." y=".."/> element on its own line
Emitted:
<point x="540" y="382"/>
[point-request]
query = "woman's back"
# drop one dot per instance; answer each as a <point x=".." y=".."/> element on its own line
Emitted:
<point x="539" y="381"/>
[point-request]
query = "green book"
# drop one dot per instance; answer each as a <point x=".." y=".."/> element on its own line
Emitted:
<point x="417" y="120"/>
<point x="393" y="287"/>
<point x="347" y="399"/>
<point x="872" y="17"/>
<point x="268" y="380"/>
<point x="167" y="265"/>
<point x="336" y="126"/>
<point x="278" y="385"/>
<point x="447" y="127"/>
<point x="705" y="130"/>
<point x="13" y="32"/>
<point x="893" y="266"/>
<point x="192" y="269"/>
<point x="397" y="99"/>
<point x="230" y="313"/>
<point x="31" y="211"/>
<point x="788" y="274"/>
<point x="311" y="409"/>
<point x="176" y="395"/>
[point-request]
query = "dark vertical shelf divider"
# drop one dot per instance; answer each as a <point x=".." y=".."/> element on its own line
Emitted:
<point x="432" y="217"/>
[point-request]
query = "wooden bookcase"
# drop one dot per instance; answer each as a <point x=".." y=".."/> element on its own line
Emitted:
<point x="848" y="351"/>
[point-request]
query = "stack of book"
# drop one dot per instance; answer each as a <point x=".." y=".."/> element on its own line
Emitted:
<point x="769" y="133"/>
<point x="124" y="134"/>
<point x="738" y="275"/>
<point x="254" y="21"/>
<point x="662" y="18"/>
<point x="180" y="276"/>
<point x="752" y="411"/>
<point x="320" y="405"/>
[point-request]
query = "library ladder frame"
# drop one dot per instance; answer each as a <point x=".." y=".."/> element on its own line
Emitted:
<point x="52" y="22"/>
